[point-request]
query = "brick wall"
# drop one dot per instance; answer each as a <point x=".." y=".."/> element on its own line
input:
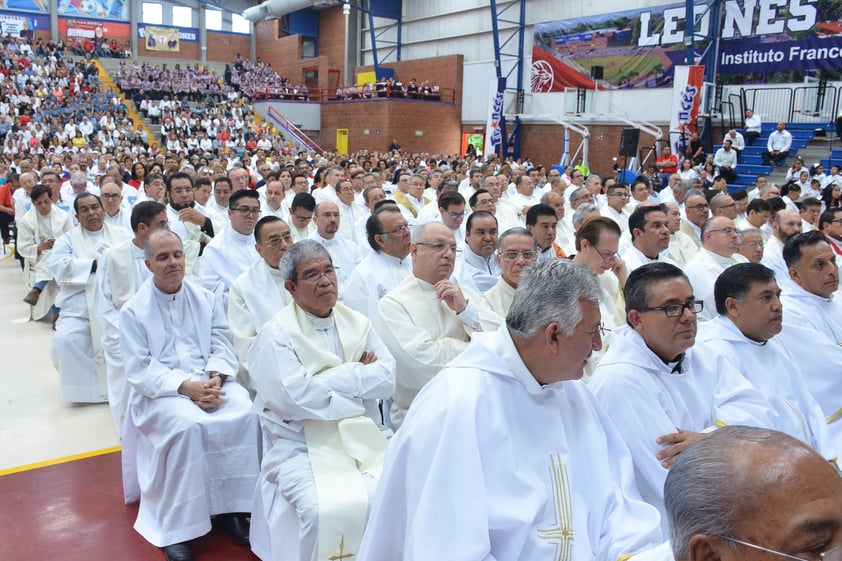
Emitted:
<point x="223" y="47"/>
<point x="187" y="51"/>
<point x="446" y="71"/>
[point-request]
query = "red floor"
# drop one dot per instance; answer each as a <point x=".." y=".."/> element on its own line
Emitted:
<point x="75" y="512"/>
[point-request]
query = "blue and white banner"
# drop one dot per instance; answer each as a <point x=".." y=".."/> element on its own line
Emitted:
<point x="493" y="133"/>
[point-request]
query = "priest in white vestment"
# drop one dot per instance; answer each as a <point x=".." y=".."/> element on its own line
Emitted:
<point x="117" y="212"/>
<point x="187" y="219"/>
<point x="477" y="267"/>
<point x="273" y="202"/>
<point x="681" y="246"/>
<point x="385" y="266"/>
<point x="813" y="322"/>
<point x="301" y="210"/>
<point x="38" y="230"/>
<point x="427" y="320"/>
<point x="319" y="370"/>
<point x="349" y="209"/>
<point x="745" y="333"/>
<point x="344" y="253"/>
<point x="121" y="272"/>
<point x="663" y="391"/>
<point x="516" y="251"/>
<point x="190" y="448"/>
<point x="258" y="293"/>
<point x="718" y="252"/>
<point x="617" y="197"/>
<point x="524" y="197"/>
<point x="650" y="237"/>
<point x="232" y="250"/>
<point x="785" y="224"/>
<point x="506" y="455"/>
<point x="76" y="351"/>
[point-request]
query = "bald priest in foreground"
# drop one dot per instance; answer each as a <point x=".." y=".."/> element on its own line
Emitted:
<point x="505" y="455"/>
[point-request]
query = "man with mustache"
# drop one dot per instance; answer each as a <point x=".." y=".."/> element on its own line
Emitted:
<point x="750" y="315"/>
<point x="664" y="390"/>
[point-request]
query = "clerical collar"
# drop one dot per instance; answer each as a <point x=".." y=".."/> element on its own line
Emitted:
<point x="240" y="238"/>
<point x="391" y="258"/>
<point x="676" y="366"/>
<point x="321" y="324"/>
<point x="166" y="296"/>
<point x="721" y="259"/>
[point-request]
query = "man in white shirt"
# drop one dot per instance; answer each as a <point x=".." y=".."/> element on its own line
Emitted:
<point x="328" y="191"/>
<point x="810" y="208"/>
<point x="301" y="211"/>
<point x="830" y="225"/>
<point x="725" y="161"/>
<point x="723" y="205"/>
<point x="777" y="147"/>
<point x="427" y="319"/>
<point x="738" y="143"/>
<point x="542" y="222"/>
<point x="273" y="202"/>
<point x="121" y="273"/>
<point x="232" y="251"/>
<point x="217" y="207"/>
<point x="516" y="251"/>
<point x="749" y="318"/>
<point x="452" y="214"/>
<point x="750" y="245"/>
<point x="718" y="252"/>
<point x="387" y="234"/>
<point x="349" y="210"/>
<point x="116" y="213"/>
<point x="319" y="370"/>
<point x="258" y="293"/>
<point x="753" y="126"/>
<point x="525" y="196"/>
<point x="76" y="349"/>
<point x="190" y="444"/>
<point x="656" y="364"/>
<point x="650" y="236"/>
<point x="516" y="492"/>
<point x="617" y="197"/>
<point x="697" y="211"/>
<point x="36" y="236"/>
<point x="477" y="265"/>
<point x="681" y="246"/>
<point x="785" y="225"/>
<point x="758" y="213"/>
<point x="343" y="252"/>
<point x="187" y="219"/>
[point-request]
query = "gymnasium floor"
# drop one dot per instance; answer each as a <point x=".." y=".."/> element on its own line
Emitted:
<point x="60" y="485"/>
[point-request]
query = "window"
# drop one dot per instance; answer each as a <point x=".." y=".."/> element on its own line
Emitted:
<point x="182" y="16"/>
<point x="213" y="20"/>
<point x="239" y="24"/>
<point x="152" y="12"/>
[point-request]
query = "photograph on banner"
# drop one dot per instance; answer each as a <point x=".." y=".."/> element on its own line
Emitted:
<point x="162" y="39"/>
<point x="93" y="29"/>
<point x="185" y="34"/>
<point x="26" y="5"/>
<point x="761" y="41"/>
<point x="106" y="9"/>
<point x="22" y="25"/>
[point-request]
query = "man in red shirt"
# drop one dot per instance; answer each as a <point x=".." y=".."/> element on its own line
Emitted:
<point x="7" y="210"/>
<point x="667" y="164"/>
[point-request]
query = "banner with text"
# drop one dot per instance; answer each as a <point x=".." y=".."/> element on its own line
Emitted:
<point x="162" y="39"/>
<point x="93" y="29"/>
<point x="687" y="92"/>
<point x="185" y="34"/>
<point x="761" y="41"/>
<point x="22" y="25"/>
<point x="493" y="132"/>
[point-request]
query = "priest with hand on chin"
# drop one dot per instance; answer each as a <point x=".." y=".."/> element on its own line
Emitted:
<point x="190" y="441"/>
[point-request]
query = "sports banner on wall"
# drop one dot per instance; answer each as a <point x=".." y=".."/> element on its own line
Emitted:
<point x="493" y="133"/>
<point x="162" y="39"/>
<point x="761" y="41"/>
<point x="687" y="93"/>
<point x="185" y="34"/>
<point x="93" y="29"/>
<point x="27" y="5"/>
<point x="22" y="25"/>
<point x="106" y="9"/>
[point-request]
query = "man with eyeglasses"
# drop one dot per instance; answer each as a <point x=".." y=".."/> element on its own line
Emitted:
<point x="718" y="252"/>
<point x="617" y="197"/>
<point x="754" y="494"/>
<point x="258" y="293"/>
<point x="696" y="210"/>
<point x="830" y="225"/>
<point x="810" y="208"/>
<point x="385" y="266"/>
<point x="785" y="225"/>
<point x="516" y="251"/>
<point x="188" y="221"/>
<point x="664" y="389"/>
<point x="344" y="253"/>
<point x="452" y="214"/>
<point x="232" y="251"/>
<point x="428" y="319"/>
<point x="650" y="236"/>
<point x="349" y="210"/>
<point x="301" y="211"/>
<point x="121" y="272"/>
<point x="750" y="244"/>
<point x="750" y="316"/>
<point x="115" y="213"/>
<point x="319" y="369"/>
<point x="77" y="346"/>
<point x="723" y="205"/>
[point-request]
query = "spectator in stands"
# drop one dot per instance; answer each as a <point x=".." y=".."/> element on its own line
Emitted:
<point x="778" y="145"/>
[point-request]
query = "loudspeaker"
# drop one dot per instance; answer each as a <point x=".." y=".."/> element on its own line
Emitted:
<point x="596" y="72"/>
<point x="628" y="142"/>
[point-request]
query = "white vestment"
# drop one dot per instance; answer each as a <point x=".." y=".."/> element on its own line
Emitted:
<point x="32" y="230"/>
<point x="646" y="399"/>
<point x="476" y="272"/>
<point x="424" y="334"/>
<point x="184" y="463"/>
<point x="224" y="259"/>
<point x="376" y="275"/>
<point x="773" y="257"/>
<point x="691" y="231"/>
<point x="303" y="389"/>
<point x="507" y="215"/>
<point x="76" y="350"/>
<point x="253" y="299"/>
<point x="565" y="236"/>
<point x="344" y="254"/>
<point x="302" y="234"/>
<point x="348" y="216"/>
<point x="123" y="218"/>
<point x="121" y="272"/>
<point x="191" y="236"/>
<point x="775" y="373"/>
<point x="703" y="270"/>
<point x="499" y="298"/>
<point x="634" y="259"/>
<point x="621" y="218"/>
<point x="491" y="465"/>
<point x="681" y="248"/>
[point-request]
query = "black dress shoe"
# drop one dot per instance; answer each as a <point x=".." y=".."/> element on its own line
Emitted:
<point x="237" y="526"/>
<point x="179" y="552"/>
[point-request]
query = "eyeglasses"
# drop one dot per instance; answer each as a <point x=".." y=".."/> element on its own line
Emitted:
<point x="732" y="205"/>
<point x="754" y="245"/>
<point x="302" y="218"/>
<point x="246" y="211"/>
<point x="111" y="196"/>
<point x="623" y="195"/>
<point x="728" y="231"/>
<point x="312" y="276"/>
<point x="837" y="221"/>
<point x="833" y="554"/>
<point x="602" y="330"/>
<point x="403" y="228"/>
<point x="456" y="215"/>
<point x="515" y="255"/>
<point x="275" y="242"/>
<point x="607" y="258"/>
<point x="439" y="247"/>
<point x="486" y="202"/>
<point x="676" y="310"/>
<point x="699" y="207"/>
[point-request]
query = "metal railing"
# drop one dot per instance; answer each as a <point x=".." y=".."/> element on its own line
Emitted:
<point x="328" y="95"/>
